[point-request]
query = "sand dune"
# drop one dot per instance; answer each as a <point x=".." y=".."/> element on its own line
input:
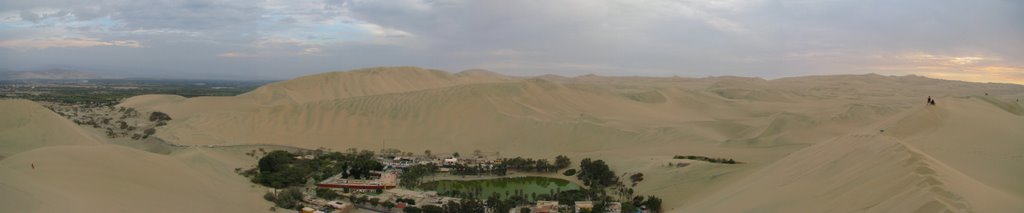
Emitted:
<point x="364" y="82"/>
<point x="110" y="178"/>
<point x="929" y="159"/>
<point x="858" y="173"/>
<point x="26" y="125"/>
<point x="808" y="143"/>
<point x="148" y="102"/>
<point x="634" y="122"/>
<point x="75" y="170"/>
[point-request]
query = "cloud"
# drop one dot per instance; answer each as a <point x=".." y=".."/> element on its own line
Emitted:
<point x="765" y="38"/>
<point x="65" y="42"/>
<point x="237" y="55"/>
<point x="378" y="30"/>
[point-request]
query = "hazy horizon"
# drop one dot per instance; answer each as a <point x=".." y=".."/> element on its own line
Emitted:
<point x="230" y="39"/>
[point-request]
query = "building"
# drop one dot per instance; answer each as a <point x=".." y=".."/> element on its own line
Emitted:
<point x="580" y="205"/>
<point x="450" y="161"/>
<point x="544" y="206"/>
<point x="387" y="180"/>
<point x="613" y="207"/>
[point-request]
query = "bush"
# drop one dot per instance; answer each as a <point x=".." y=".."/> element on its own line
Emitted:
<point x="653" y="203"/>
<point x="159" y="116"/>
<point x="374" y="201"/>
<point x="289" y="198"/>
<point x="562" y="162"/>
<point x="596" y="173"/>
<point x="408" y="201"/>
<point x="269" y="197"/>
<point x="432" y="209"/>
<point x="412" y="209"/>
<point x="569" y="172"/>
<point x="327" y="194"/>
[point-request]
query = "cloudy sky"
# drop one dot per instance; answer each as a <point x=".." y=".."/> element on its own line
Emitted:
<point x="277" y="39"/>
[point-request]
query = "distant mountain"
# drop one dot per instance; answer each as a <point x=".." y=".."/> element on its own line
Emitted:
<point x="54" y="74"/>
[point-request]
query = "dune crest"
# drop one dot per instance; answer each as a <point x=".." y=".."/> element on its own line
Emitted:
<point x="863" y="173"/>
<point x="26" y="125"/>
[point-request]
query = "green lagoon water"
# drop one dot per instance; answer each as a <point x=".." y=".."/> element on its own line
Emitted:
<point x="539" y="185"/>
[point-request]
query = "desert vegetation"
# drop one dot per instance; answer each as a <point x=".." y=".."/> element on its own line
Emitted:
<point x="707" y="159"/>
<point x="280" y="169"/>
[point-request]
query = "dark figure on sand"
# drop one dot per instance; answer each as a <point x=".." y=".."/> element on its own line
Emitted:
<point x="931" y="101"/>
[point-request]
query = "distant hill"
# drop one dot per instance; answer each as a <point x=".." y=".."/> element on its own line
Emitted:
<point x="54" y="74"/>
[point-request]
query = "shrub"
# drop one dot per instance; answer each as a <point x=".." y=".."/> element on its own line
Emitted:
<point x="569" y="172"/>
<point x="269" y="197"/>
<point x="289" y="198"/>
<point x="374" y="201"/>
<point x="327" y="194"/>
<point x="562" y="162"/>
<point x="653" y="203"/>
<point x="412" y="209"/>
<point x="159" y="116"/>
<point x="432" y="209"/>
<point x="388" y="205"/>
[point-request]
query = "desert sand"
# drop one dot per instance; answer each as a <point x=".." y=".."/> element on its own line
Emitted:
<point x="57" y="166"/>
<point x="843" y="143"/>
<point x="25" y="125"/>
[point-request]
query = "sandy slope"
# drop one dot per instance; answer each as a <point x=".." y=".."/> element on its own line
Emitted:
<point x="858" y="173"/>
<point x="807" y="143"/>
<point x="25" y="125"/>
<point x="956" y="156"/>
<point x="636" y="123"/>
<point x="148" y="102"/>
<point x="110" y="178"/>
<point x="76" y="171"/>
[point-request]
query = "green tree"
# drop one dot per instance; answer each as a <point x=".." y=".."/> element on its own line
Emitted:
<point x="374" y="201"/>
<point x="412" y="209"/>
<point x="275" y="161"/>
<point x="653" y="203"/>
<point x="388" y="205"/>
<point x="596" y="174"/>
<point x="289" y="198"/>
<point x="432" y="209"/>
<point x="327" y="194"/>
<point x="562" y="162"/>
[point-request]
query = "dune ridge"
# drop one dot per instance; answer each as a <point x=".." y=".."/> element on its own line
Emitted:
<point x="53" y="165"/>
<point x="26" y="125"/>
<point x="844" y="143"/>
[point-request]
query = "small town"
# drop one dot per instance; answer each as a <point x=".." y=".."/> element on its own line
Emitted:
<point x="395" y="181"/>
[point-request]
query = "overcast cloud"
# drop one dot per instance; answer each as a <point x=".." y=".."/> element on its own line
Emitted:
<point x="278" y="39"/>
